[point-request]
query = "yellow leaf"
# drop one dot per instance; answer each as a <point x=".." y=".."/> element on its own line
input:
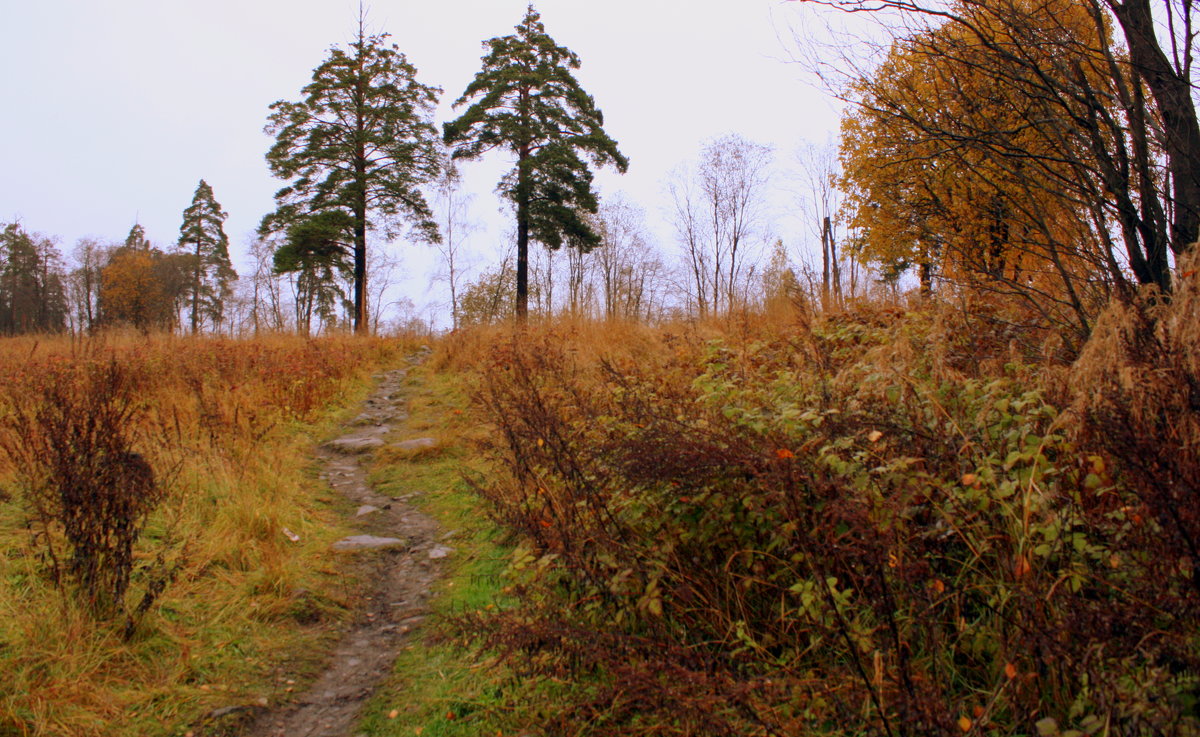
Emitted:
<point x="1010" y="670"/>
<point x="394" y="713"/>
<point x="938" y="586"/>
<point x="970" y="479"/>
<point x="964" y="724"/>
<point x="418" y="730"/>
<point x="874" y="436"/>
<point x="541" y="442"/>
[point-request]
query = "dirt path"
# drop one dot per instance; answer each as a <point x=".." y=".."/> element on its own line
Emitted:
<point x="400" y="577"/>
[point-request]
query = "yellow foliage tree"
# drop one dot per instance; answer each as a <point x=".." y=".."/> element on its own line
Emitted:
<point x="142" y="286"/>
<point x="966" y="159"/>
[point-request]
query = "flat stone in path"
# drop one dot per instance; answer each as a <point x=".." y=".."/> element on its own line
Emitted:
<point x="354" y="445"/>
<point x="366" y="509"/>
<point x="372" y="419"/>
<point x="440" y="551"/>
<point x="416" y="444"/>
<point x="366" y="542"/>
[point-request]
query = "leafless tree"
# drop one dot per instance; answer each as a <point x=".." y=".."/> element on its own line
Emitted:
<point x="451" y="206"/>
<point x="541" y="281"/>
<point x="580" y="296"/>
<point x="719" y="207"/>
<point x="83" y="282"/>
<point x="266" y="286"/>
<point x="381" y="275"/>
<point x="820" y="201"/>
<point x="628" y="270"/>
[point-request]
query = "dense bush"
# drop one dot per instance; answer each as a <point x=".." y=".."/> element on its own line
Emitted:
<point x="849" y="529"/>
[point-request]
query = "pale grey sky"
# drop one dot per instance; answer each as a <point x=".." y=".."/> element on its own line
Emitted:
<point x="115" y="109"/>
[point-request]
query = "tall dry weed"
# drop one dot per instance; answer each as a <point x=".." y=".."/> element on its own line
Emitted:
<point x="1135" y="394"/>
<point x="74" y="437"/>
<point x="224" y="429"/>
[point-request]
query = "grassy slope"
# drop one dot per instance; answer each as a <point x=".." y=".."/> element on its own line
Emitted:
<point x="249" y="610"/>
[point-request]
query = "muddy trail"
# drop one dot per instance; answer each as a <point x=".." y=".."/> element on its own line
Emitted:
<point x="403" y="555"/>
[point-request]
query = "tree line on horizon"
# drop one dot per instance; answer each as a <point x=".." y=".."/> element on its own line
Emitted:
<point x="132" y="283"/>
<point x="1046" y="155"/>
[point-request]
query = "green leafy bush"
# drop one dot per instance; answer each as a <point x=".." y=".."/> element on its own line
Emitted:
<point x="835" y="532"/>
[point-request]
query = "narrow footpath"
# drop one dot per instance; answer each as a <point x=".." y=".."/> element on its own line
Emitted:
<point x="405" y="560"/>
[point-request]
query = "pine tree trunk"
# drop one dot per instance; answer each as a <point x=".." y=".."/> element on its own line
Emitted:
<point x="361" y="325"/>
<point x="196" y="292"/>
<point x="522" y="260"/>
<point x="522" y="238"/>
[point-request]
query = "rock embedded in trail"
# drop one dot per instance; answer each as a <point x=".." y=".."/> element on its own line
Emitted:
<point x="366" y="542"/>
<point x="416" y="444"/>
<point x="371" y="420"/>
<point x="352" y="445"/>
<point x="440" y="551"/>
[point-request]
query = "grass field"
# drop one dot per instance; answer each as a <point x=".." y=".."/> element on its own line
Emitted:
<point x="869" y="522"/>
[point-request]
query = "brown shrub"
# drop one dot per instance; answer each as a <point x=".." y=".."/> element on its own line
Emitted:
<point x="72" y="439"/>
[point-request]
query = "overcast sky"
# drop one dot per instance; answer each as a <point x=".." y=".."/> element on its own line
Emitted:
<point x="113" y="110"/>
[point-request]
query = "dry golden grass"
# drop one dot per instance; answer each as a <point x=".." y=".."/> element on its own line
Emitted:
<point x="229" y="426"/>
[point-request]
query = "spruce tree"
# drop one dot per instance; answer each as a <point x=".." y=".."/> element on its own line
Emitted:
<point x="32" y="294"/>
<point x="526" y="100"/>
<point x="360" y="142"/>
<point x="202" y="236"/>
<point x="137" y="240"/>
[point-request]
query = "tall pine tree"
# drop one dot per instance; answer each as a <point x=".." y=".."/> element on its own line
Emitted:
<point x="526" y="100"/>
<point x="361" y="142"/>
<point x="202" y="236"/>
